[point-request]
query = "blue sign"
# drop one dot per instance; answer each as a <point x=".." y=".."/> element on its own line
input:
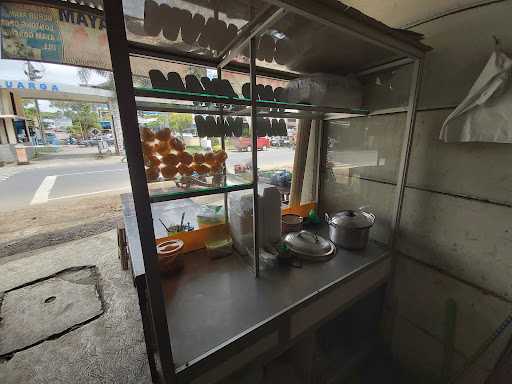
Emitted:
<point x="32" y="85"/>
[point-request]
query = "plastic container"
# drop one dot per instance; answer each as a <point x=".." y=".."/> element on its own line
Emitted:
<point x="219" y="248"/>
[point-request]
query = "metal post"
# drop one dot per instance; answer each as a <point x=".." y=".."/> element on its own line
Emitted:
<point x="255" y="213"/>
<point x="406" y="149"/>
<point x="40" y="121"/>
<point x="401" y="184"/>
<point x="223" y="146"/>
<point x="128" y="113"/>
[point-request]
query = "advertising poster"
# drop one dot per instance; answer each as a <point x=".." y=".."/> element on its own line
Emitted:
<point x="54" y="35"/>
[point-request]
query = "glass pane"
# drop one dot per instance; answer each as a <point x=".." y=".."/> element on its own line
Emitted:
<point x="197" y="213"/>
<point x="199" y="27"/>
<point x="361" y="169"/>
<point x="387" y="89"/>
<point x="296" y="44"/>
<point x="184" y="157"/>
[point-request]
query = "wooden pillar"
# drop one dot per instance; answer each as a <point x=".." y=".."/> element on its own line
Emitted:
<point x="299" y="161"/>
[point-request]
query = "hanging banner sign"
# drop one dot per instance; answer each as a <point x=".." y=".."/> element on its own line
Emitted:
<point x="53" y="35"/>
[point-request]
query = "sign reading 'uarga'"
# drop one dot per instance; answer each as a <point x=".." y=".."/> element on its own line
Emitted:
<point x="55" y="35"/>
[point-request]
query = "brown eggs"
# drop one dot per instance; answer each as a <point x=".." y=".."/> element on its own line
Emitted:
<point x="177" y="145"/>
<point x="209" y="158"/>
<point x="184" y="169"/>
<point x="170" y="159"/>
<point x="147" y="134"/>
<point x="169" y="171"/>
<point x="163" y="134"/>
<point x="152" y="173"/>
<point x="215" y="168"/>
<point x="148" y="148"/>
<point x="185" y="158"/>
<point x="152" y="161"/>
<point x="163" y="148"/>
<point x="202" y="169"/>
<point x="220" y="156"/>
<point x="198" y="158"/>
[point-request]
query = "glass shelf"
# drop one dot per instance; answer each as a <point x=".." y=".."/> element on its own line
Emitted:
<point x="190" y="96"/>
<point x="280" y="109"/>
<point x="194" y="186"/>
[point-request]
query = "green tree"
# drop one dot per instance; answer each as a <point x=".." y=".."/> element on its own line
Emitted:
<point x="30" y="110"/>
<point x="83" y="118"/>
<point x="178" y="122"/>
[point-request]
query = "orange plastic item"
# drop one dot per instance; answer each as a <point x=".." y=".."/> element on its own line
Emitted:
<point x="194" y="240"/>
<point x="301" y="210"/>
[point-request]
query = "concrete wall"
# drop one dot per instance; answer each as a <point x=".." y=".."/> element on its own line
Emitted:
<point x="456" y="232"/>
<point x="7" y="153"/>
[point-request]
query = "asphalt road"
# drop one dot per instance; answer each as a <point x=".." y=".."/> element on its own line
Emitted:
<point x="39" y="185"/>
<point x="69" y="180"/>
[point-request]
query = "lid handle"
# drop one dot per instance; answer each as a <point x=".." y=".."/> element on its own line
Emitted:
<point x="303" y="232"/>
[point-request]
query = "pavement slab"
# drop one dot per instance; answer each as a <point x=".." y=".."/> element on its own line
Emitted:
<point x="47" y="308"/>
<point x="108" y="349"/>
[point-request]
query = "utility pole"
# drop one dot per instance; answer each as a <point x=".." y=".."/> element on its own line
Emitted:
<point x="34" y="74"/>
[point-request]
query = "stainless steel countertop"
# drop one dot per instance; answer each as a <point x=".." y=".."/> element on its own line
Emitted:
<point x="213" y="301"/>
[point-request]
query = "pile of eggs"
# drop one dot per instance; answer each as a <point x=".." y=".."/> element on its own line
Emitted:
<point x="165" y="156"/>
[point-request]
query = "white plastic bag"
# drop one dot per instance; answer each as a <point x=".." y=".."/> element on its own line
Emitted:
<point x="485" y="115"/>
<point x="325" y="90"/>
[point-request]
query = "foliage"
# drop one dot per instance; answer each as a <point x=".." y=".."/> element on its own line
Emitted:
<point x="178" y="122"/>
<point x="30" y="110"/>
<point x="83" y="118"/>
<point x="85" y="74"/>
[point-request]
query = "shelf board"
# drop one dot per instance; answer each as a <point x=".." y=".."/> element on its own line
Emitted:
<point x="189" y="96"/>
<point x="176" y="193"/>
<point x="144" y="104"/>
<point x="279" y="109"/>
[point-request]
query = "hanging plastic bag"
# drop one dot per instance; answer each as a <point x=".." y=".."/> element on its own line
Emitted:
<point x="485" y="115"/>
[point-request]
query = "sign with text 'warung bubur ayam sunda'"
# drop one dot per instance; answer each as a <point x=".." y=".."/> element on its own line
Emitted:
<point x="54" y="35"/>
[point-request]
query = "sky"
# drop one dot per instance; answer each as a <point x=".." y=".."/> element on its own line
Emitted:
<point x="53" y="73"/>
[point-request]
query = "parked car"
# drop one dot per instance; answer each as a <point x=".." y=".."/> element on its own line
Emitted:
<point x="245" y="143"/>
<point x="93" y="141"/>
<point x="280" y="141"/>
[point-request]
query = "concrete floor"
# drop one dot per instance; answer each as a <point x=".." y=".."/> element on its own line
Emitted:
<point x="109" y="349"/>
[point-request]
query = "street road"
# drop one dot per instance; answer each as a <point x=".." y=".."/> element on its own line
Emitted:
<point x="95" y="177"/>
<point x="87" y="177"/>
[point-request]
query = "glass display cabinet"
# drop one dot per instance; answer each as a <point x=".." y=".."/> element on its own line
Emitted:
<point x="222" y="104"/>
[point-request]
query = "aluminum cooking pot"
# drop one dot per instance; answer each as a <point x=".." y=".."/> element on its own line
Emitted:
<point x="350" y="229"/>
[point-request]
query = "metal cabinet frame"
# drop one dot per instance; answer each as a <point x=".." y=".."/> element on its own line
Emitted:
<point x="319" y="11"/>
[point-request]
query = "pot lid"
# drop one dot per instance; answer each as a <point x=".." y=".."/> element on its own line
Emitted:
<point x="308" y="243"/>
<point x="352" y="219"/>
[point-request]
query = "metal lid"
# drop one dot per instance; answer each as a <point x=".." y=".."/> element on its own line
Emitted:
<point x="308" y="243"/>
<point x="352" y="219"/>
